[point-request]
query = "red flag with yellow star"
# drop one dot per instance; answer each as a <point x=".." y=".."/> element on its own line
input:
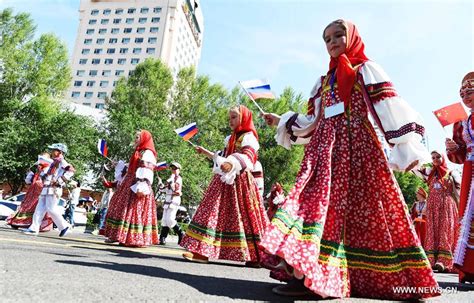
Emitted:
<point x="450" y="114"/>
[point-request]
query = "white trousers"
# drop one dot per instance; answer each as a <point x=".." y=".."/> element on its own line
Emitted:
<point x="169" y="217"/>
<point x="48" y="204"/>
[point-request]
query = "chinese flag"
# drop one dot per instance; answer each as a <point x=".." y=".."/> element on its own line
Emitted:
<point x="450" y="114"/>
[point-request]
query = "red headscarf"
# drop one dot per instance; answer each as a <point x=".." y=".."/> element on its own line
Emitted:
<point x="354" y="55"/>
<point x="146" y="142"/>
<point x="440" y="170"/>
<point x="246" y="125"/>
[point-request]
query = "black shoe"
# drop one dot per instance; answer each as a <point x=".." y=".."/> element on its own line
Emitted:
<point x="162" y="241"/>
<point x="64" y="232"/>
<point x="294" y="288"/>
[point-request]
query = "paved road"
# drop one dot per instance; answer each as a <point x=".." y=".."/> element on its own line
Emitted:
<point x="81" y="268"/>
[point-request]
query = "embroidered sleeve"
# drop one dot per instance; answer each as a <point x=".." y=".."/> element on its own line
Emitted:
<point x="458" y="155"/>
<point x="144" y="173"/>
<point x="400" y="124"/>
<point x="295" y="128"/>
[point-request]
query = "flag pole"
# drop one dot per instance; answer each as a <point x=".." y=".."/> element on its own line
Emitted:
<point x="193" y="145"/>
<point x="251" y="98"/>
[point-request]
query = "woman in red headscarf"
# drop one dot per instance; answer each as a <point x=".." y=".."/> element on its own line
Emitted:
<point x="343" y="229"/>
<point x="231" y="218"/>
<point x="24" y="215"/>
<point x="131" y="218"/>
<point x="441" y="214"/>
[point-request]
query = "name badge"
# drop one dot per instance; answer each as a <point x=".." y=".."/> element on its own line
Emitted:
<point x="437" y="186"/>
<point x="334" y="110"/>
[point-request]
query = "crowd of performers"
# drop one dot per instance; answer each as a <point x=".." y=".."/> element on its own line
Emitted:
<point x="343" y="229"/>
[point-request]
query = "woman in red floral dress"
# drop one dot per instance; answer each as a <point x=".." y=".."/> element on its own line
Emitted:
<point x="344" y="228"/>
<point x="441" y="215"/>
<point x="23" y="217"/>
<point x="131" y="218"/>
<point x="230" y="219"/>
<point x="418" y="215"/>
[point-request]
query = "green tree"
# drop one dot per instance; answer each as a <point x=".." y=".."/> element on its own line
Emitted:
<point x="409" y="184"/>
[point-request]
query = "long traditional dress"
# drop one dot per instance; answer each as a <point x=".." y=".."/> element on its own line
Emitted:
<point x="464" y="254"/>
<point x="131" y="220"/>
<point x="441" y="218"/>
<point x="344" y="224"/>
<point x="24" y="215"/>
<point x="418" y="215"/>
<point x="230" y="219"/>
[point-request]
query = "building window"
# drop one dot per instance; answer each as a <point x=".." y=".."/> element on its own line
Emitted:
<point x="127" y="30"/>
<point x="138" y="40"/>
<point x="92" y="21"/>
<point x="106" y="73"/>
<point x="90" y="83"/>
<point x="88" y="95"/>
<point x="94" y="12"/>
<point x="100" y="41"/>
<point x="150" y="50"/>
<point x="104" y="21"/>
<point x="117" y="21"/>
<point x="95" y="61"/>
<point x="98" y="51"/>
<point x="113" y="40"/>
<point x="124" y="50"/>
<point x="154" y="29"/>
<point x="115" y="30"/>
<point x="107" y="11"/>
<point x="104" y="83"/>
<point x="75" y="94"/>
<point x="111" y="51"/>
<point x="155" y="19"/>
<point x="121" y="61"/>
<point x="140" y="30"/>
<point x="119" y="11"/>
<point x="99" y="105"/>
<point x="129" y="21"/>
<point x="137" y="50"/>
<point x="82" y="61"/>
<point x="152" y="40"/>
<point x="77" y="83"/>
<point x="144" y="10"/>
<point x="135" y="61"/>
<point x="93" y="73"/>
<point x="108" y="61"/>
<point x="131" y="10"/>
<point x="90" y="31"/>
<point x="80" y="73"/>
<point x="85" y="51"/>
<point x="115" y="83"/>
<point x="102" y="31"/>
<point x="87" y="41"/>
<point x="126" y="40"/>
<point x="157" y="9"/>
<point x="119" y="72"/>
<point x="130" y="72"/>
<point x="102" y="95"/>
<point x="142" y="20"/>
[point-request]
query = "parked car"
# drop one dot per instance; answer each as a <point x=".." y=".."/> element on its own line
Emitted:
<point x="10" y="205"/>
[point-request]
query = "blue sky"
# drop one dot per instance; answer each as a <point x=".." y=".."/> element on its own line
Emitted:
<point x="426" y="47"/>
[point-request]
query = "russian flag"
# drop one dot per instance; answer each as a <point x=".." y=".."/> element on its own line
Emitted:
<point x="258" y="89"/>
<point x="161" y="166"/>
<point x="188" y="131"/>
<point x="102" y="147"/>
<point x="44" y="161"/>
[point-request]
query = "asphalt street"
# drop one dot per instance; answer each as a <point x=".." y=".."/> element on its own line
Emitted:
<point x="82" y="268"/>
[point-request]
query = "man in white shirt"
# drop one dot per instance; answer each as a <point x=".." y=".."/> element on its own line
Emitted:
<point x="53" y="180"/>
<point x="74" y="195"/>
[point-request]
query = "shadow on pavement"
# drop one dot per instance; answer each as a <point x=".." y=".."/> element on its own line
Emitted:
<point x="225" y="287"/>
<point x="457" y="286"/>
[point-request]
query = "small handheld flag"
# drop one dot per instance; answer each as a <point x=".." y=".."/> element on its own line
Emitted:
<point x="102" y="147"/>
<point x="188" y="131"/>
<point x="257" y="89"/>
<point x="161" y="166"/>
<point x="450" y="114"/>
<point x="44" y="161"/>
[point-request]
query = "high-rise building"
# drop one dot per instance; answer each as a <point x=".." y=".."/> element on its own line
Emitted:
<point x="115" y="35"/>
